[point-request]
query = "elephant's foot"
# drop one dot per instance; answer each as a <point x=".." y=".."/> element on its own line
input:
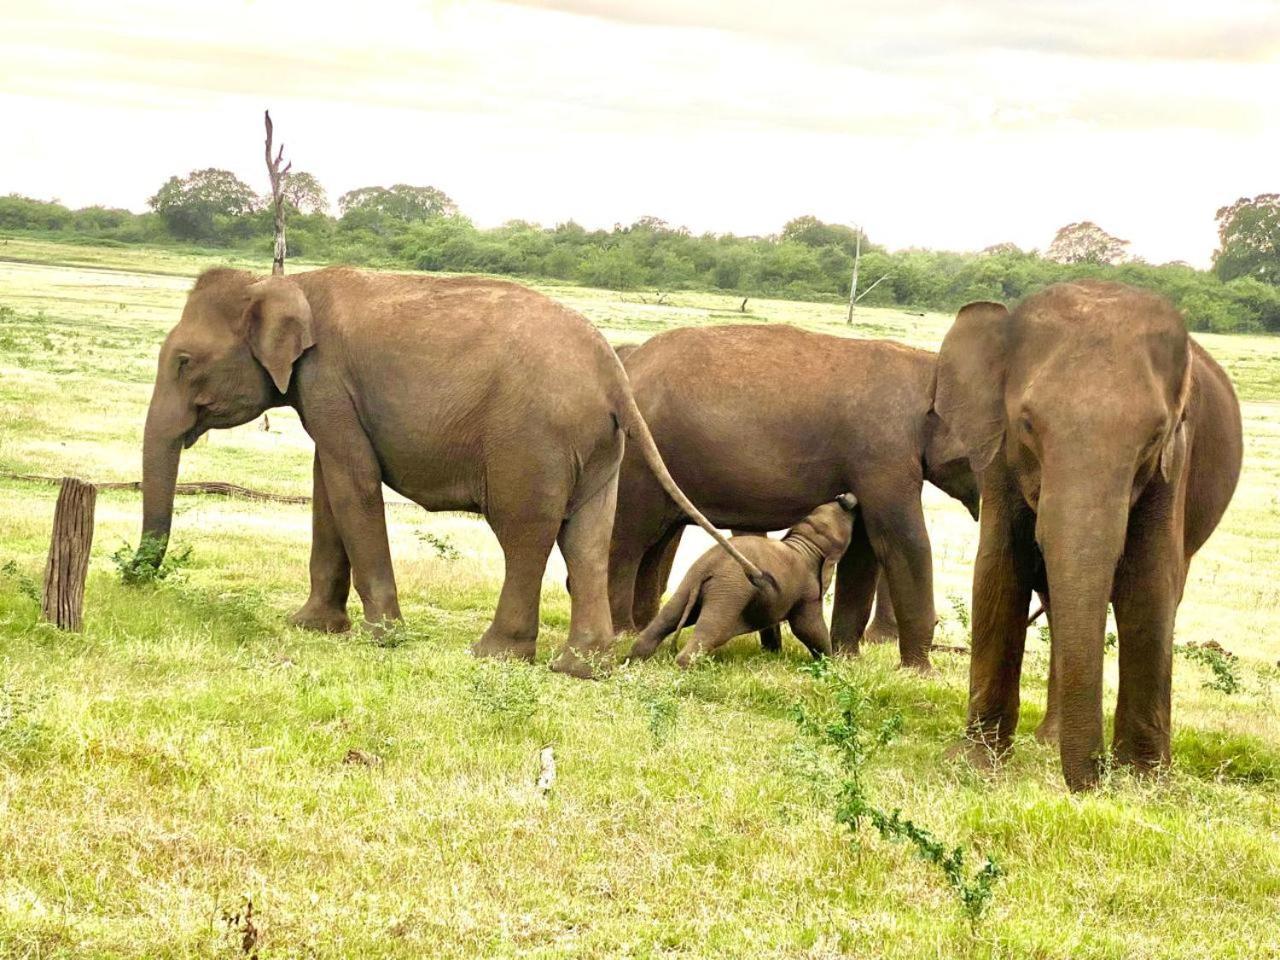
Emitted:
<point x="493" y="644"/>
<point x="917" y="663"/>
<point x="881" y="632"/>
<point x="845" y="646"/>
<point x="981" y="754"/>
<point x="642" y="649"/>
<point x="322" y="618"/>
<point x="771" y="639"/>
<point x="1048" y="731"/>
<point x="1141" y="754"/>
<point x="586" y="662"/>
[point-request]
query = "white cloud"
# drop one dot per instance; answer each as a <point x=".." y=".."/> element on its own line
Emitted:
<point x="937" y="124"/>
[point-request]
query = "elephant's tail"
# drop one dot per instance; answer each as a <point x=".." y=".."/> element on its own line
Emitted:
<point x="632" y="423"/>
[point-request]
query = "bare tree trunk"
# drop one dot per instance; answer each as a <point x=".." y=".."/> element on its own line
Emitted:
<point x="853" y="283"/>
<point x="68" y="565"/>
<point x="277" y="197"/>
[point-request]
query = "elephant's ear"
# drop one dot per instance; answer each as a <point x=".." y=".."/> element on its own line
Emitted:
<point x="1168" y="456"/>
<point x="277" y="324"/>
<point x="969" y="384"/>
<point x="1177" y="438"/>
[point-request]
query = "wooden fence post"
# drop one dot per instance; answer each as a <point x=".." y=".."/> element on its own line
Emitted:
<point x="68" y="565"/>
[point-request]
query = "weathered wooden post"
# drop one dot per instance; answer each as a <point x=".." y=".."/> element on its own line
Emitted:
<point x="68" y="565"/>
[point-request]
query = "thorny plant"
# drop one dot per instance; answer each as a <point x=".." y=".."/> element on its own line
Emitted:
<point x="442" y="545"/>
<point x="856" y="734"/>
<point x="26" y="586"/>
<point x="1223" y="665"/>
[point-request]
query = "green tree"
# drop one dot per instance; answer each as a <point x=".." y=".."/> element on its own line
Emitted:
<point x="1086" y="242"/>
<point x="812" y="232"/>
<point x="204" y="204"/>
<point x="1249" y="239"/>
<point x="304" y="193"/>
<point x="382" y="208"/>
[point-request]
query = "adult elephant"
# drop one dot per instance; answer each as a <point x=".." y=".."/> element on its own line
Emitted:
<point x="1109" y="445"/>
<point x="764" y="422"/>
<point x="459" y="393"/>
<point x="884" y="624"/>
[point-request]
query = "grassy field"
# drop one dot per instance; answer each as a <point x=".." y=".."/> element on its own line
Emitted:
<point x="189" y="752"/>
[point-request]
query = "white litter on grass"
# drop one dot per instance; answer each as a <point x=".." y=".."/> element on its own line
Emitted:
<point x="547" y="774"/>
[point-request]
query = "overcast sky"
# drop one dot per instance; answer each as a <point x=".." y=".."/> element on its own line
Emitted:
<point x="949" y="125"/>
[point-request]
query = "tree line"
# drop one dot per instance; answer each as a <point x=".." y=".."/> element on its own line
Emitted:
<point x="404" y="226"/>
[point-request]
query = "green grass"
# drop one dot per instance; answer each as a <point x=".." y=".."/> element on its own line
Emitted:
<point x="189" y="750"/>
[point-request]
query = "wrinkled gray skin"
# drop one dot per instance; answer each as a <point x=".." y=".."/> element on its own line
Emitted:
<point x="720" y="603"/>
<point x="762" y="421"/>
<point x="1109" y="445"/>
<point x="459" y="393"/>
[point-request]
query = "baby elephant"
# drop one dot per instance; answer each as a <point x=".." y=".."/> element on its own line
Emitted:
<point x="716" y="595"/>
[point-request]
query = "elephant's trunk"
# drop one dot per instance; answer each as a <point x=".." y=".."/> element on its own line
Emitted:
<point x="161" y="452"/>
<point x="1081" y="530"/>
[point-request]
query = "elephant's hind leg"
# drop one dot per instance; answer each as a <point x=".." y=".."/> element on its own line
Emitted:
<point x="326" y="608"/>
<point x="526" y="525"/>
<point x="721" y="619"/>
<point x="682" y="610"/>
<point x="855" y="589"/>
<point x="884" y="626"/>
<point x="584" y="541"/>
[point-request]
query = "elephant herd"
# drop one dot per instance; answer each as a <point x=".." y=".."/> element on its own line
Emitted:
<point x="1101" y="441"/>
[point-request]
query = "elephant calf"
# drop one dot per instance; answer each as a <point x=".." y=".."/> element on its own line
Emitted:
<point x="717" y="597"/>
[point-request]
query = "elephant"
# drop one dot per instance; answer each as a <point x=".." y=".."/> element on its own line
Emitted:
<point x="884" y="625"/>
<point x="723" y="604"/>
<point x="1109" y="445"/>
<point x="758" y="423"/>
<point x="882" y="629"/>
<point x="459" y="393"/>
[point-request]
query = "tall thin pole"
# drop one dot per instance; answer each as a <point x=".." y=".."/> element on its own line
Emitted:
<point x="853" y="284"/>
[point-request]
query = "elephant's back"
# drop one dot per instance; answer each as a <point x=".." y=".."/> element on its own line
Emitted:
<point x="458" y="370"/>
<point x="758" y="423"/>
<point x="1216" y="450"/>
<point x="748" y="356"/>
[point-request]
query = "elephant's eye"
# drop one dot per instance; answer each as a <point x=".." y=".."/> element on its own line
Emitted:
<point x="183" y="360"/>
<point x="1025" y="423"/>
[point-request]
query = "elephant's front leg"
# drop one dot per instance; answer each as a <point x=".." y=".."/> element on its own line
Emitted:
<point x="1148" y="587"/>
<point x="901" y="541"/>
<point x="770" y="636"/>
<point x="353" y="480"/>
<point x="326" y="608"/>
<point x="1002" y="581"/>
<point x="810" y="628"/>
<point x="855" y="588"/>
<point x="584" y="541"/>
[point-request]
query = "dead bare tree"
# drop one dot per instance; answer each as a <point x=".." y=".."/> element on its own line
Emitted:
<point x="277" y="196"/>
